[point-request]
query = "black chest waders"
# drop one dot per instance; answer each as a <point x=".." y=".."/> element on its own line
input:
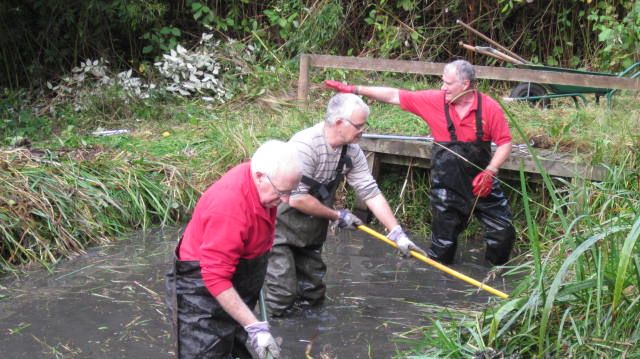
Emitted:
<point x="201" y="327"/>
<point x="454" y="165"/>
<point x="296" y="270"/>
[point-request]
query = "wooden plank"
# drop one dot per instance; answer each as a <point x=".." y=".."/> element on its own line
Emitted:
<point x="369" y="64"/>
<point x="556" y="165"/>
<point x="485" y="72"/>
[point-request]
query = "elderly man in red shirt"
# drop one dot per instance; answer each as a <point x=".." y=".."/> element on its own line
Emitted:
<point x="463" y="123"/>
<point x="221" y="259"/>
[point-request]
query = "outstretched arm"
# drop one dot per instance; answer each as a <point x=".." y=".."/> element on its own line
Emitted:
<point x="308" y="204"/>
<point x="383" y="94"/>
<point x="380" y="208"/>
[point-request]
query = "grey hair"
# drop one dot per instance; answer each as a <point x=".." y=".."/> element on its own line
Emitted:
<point x="463" y="70"/>
<point x="276" y="157"/>
<point x="342" y="106"/>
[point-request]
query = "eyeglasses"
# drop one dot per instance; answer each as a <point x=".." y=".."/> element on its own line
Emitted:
<point x="279" y="192"/>
<point x="359" y="127"/>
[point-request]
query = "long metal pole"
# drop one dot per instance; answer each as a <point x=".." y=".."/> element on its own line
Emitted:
<point x="437" y="265"/>
<point x="263" y="313"/>
<point x="398" y="137"/>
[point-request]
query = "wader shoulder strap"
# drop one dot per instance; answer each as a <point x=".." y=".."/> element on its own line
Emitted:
<point x="479" y="130"/>
<point x="322" y="191"/>
<point x="452" y="129"/>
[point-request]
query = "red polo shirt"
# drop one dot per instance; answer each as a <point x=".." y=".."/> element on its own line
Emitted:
<point x="429" y="105"/>
<point x="228" y="224"/>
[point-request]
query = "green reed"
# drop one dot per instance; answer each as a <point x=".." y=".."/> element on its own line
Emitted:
<point x="53" y="206"/>
<point x="577" y="293"/>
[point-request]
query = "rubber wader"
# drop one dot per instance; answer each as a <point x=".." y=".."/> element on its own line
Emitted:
<point x="296" y="270"/>
<point x="452" y="198"/>
<point x="201" y="327"/>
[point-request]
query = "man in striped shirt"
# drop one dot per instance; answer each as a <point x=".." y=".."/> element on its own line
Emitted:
<point x="329" y="153"/>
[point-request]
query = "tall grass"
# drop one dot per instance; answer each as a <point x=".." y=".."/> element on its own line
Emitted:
<point x="55" y="205"/>
<point x="578" y="295"/>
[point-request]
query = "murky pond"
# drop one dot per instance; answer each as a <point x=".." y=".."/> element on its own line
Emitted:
<point x="109" y="302"/>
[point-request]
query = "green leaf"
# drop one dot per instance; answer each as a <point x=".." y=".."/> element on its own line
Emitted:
<point x="605" y="34"/>
<point x="623" y="264"/>
<point x="557" y="283"/>
<point x="147" y="49"/>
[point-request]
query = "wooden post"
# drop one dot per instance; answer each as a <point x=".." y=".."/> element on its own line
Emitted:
<point x="303" y="78"/>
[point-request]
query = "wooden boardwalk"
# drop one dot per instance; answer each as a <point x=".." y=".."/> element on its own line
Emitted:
<point x="416" y="151"/>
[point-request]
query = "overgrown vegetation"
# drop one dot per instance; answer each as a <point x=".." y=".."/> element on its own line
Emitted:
<point x="44" y="38"/>
<point x="65" y="186"/>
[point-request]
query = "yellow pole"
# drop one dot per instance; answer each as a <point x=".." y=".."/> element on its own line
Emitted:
<point x="437" y="265"/>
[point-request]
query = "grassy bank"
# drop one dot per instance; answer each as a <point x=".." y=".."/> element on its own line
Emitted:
<point x="53" y="204"/>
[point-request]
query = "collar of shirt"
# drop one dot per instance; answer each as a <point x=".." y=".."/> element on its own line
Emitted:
<point x="259" y="210"/>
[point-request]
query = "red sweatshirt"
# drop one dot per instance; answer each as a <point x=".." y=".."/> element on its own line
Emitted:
<point x="228" y="224"/>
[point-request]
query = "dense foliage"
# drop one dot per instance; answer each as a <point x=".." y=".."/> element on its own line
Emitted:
<point x="42" y="39"/>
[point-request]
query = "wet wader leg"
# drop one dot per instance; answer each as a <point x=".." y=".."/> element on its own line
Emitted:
<point x="281" y="280"/>
<point x="311" y="270"/>
<point x="202" y="329"/>
<point x="493" y="211"/>
<point x="171" y="301"/>
<point x="446" y="225"/>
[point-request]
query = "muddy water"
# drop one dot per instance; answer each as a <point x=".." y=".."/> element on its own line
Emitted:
<point x="109" y="302"/>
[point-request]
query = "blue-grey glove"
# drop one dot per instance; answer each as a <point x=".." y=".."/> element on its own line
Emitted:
<point x="261" y="340"/>
<point x="348" y="220"/>
<point x="405" y="245"/>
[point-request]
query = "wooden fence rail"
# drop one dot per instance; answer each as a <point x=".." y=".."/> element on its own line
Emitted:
<point x="434" y="68"/>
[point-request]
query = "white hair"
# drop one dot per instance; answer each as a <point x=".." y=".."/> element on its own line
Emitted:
<point x="463" y="70"/>
<point x="276" y="158"/>
<point x="342" y="106"/>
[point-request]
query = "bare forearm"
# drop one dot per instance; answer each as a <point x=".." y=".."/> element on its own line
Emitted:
<point x="231" y="302"/>
<point x="502" y="153"/>
<point x="310" y="205"/>
<point x="380" y="208"/>
<point x="383" y="94"/>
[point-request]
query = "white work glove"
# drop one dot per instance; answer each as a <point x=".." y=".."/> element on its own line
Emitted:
<point x="261" y="340"/>
<point x="348" y="220"/>
<point x="405" y="245"/>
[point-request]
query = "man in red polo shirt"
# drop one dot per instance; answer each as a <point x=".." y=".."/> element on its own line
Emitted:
<point x="221" y="259"/>
<point x="463" y="123"/>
